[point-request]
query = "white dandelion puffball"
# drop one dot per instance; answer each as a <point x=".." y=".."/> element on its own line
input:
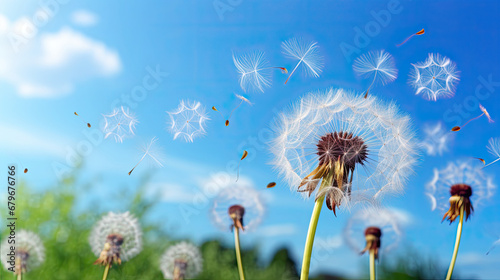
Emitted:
<point x="122" y="224"/>
<point x="120" y="124"/>
<point x="435" y="78"/>
<point x="377" y="65"/>
<point x="185" y="252"/>
<point x="437" y="139"/>
<point x="254" y="71"/>
<point x="29" y="248"/>
<point x="390" y="222"/>
<point x="307" y="54"/>
<point x="460" y="172"/>
<point x="247" y="197"/>
<point x="371" y="140"/>
<point x="188" y="121"/>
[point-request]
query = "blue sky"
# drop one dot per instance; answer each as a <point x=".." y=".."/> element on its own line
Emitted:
<point x="87" y="55"/>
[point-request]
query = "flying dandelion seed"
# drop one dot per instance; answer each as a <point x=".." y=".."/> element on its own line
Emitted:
<point x="181" y="261"/>
<point x="246" y="197"/>
<point x="151" y="152"/>
<point x="88" y="124"/>
<point x="29" y="252"/>
<point x="494" y="149"/>
<point x="390" y="221"/>
<point x="485" y="113"/>
<point x="254" y="71"/>
<point x="245" y="153"/>
<point x="377" y="65"/>
<point x="116" y="237"/>
<point x="421" y="32"/>
<point x="188" y="121"/>
<point x="434" y="78"/>
<point x="120" y="124"/>
<point x="26" y="170"/>
<point x="307" y="54"/>
<point x="271" y="185"/>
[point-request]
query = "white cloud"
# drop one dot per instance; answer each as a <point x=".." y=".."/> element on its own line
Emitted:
<point x="475" y="258"/>
<point x="31" y="143"/>
<point x="84" y="18"/>
<point x="278" y="230"/>
<point x="170" y="192"/>
<point x="437" y="139"/>
<point x="328" y="243"/>
<point x="50" y="64"/>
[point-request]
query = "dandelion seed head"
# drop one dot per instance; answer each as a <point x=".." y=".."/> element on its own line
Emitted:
<point x="371" y="139"/>
<point x="122" y="229"/>
<point x="188" y="121"/>
<point x="245" y="197"/>
<point x="388" y="221"/>
<point x="254" y="71"/>
<point x="29" y="249"/>
<point x="434" y="78"/>
<point x="379" y="63"/>
<point x="185" y="256"/>
<point x="307" y="54"/>
<point x="439" y="188"/>
<point x="120" y="124"/>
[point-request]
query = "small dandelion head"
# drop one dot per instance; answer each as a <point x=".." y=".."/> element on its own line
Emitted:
<point x="120" y="124"/>
<point x="452" y="187"/>
<point x="234" y="202"/>
<point x="374" y="221"/>
<point x="181" y="261"/>
<point x="29" y="252"/>
<point x="377" y="64"/>
<point x="188" y="121"/>
<point x="116" y="238"/>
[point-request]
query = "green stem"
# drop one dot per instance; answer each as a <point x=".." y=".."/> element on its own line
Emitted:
<point x="238" y="252"/>
<point x="457" y="243"/>
<point x="372" y="265"/>
<point x="106" y="271"/>
<point x="306" y="261"/>
<point x="19" y="276"/>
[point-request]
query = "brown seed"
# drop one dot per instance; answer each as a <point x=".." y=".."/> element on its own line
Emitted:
<point x="455" y="128"/>
<point x="26" y="170"/>
<point x="271" y="185"/>
<point x="245" y="154"/>
<point x="213" y="108"/>
<point x="227" y="122"/>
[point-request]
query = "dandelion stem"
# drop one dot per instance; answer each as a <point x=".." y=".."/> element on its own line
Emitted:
<point x="238" y="252"/>
<point x="374" y="77"/>
<point x="106" y="270"/>
<point x="19" y="276"/>
<point x="306" y="261"/>
<point x="372" y="265"/>
<point x="457" y="242"/>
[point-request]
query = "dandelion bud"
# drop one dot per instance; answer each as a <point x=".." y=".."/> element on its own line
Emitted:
<point x="460" y="194"/>
<point x="236" y="213"/>
<point x="372" y="236"/>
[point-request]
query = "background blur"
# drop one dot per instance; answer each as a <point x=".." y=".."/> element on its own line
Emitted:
<point x="91" y="57"/>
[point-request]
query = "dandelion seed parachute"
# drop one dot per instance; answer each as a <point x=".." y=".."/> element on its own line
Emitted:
<point x="29" y="248"/>
<point x="254" y="71"/>
<point x="387" y="136"/>
<point x="435" y="78"/>
<point x="247" y="197"/>
<point x="377" y="65"/>
<point x="188" y="121"/>
<point x="151" y="152"/>
<point x="120" y="124"/>
<point x="122" y="224"/>
<point x="307" y="54"/>
<point x="181" y="253"/>
<point x="463" y="172"/>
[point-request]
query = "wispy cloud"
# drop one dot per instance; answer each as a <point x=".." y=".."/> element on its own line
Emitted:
<point x="437" y="139"/>
<point x="328" y="243"/>
<point x="170" y="192"/>
<point x="278" y="230"/>
<point x="84" y="18"/>
<point x="50" y="64"/>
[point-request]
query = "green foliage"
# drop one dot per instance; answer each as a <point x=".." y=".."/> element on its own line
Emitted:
<point x="65" y="230"/>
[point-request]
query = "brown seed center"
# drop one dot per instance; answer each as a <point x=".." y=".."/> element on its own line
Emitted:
<point x="351" y="150"/>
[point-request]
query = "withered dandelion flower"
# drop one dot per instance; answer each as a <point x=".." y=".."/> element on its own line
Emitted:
<point x="372" y="236"/>
<point x="359" y="149"/>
